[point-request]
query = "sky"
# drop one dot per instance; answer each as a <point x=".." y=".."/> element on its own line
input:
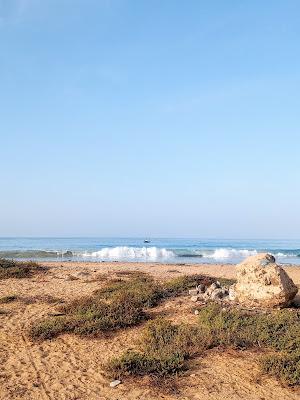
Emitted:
<point x="159" y="118"/>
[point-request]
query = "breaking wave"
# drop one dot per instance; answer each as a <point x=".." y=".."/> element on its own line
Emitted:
<point x="229" y="253"/>
<point x="124" y="252"/>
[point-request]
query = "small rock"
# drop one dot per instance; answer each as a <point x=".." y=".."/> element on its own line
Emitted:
<point x="114" y="383"/>
<point x="195" y="298"/>
<point x="201" y="288"/>
<point x="211" y="288"/>
<point x="217" y="294"/>
<point x="193" y="292"/>
<point x="196" y="312"/>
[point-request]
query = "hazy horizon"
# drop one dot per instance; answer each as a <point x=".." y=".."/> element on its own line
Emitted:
<point x="149" y="119"/>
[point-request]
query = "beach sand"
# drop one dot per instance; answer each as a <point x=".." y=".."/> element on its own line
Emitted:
<point x="71" y="368"/>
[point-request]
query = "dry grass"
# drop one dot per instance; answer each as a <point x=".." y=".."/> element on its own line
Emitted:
<point x="120" y="303"/>
<point x="165" y="348"/>
<point x="8" y="299"/>
<point x="163" y="351"/>
<point x="90" y="316"/>
<point x="19" y="269"/>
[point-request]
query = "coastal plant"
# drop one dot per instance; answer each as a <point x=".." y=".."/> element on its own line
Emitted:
<point x="8" y="299"/>
<point x="19" y="269"/>
<point x="285" y="367"/>
<point x="163" y="350"/>
<point x="278" y="331"/>
<point x="120" y="303"/>
<point x="90" y="316"/>
<point x="148" y="291"/>
<point x="141" y="288"/>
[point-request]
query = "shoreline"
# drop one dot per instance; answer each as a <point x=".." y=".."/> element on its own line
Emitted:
<point x="161" y="270"/>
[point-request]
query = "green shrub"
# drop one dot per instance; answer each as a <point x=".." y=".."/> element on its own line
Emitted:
<point x="285" y="367"/>
<point x="49" y="328"/>
<point x="90" y="316"/>
<point x="279" y="330"/>
<point x="164" y="349"/>
<point x="142" y="289"/>
<point x="149" y="292"/>
<point x="18" y="269"/>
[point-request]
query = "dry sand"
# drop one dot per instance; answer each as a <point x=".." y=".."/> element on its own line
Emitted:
<point x="70" y="367"/>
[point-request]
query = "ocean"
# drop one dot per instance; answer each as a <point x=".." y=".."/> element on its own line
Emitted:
<point x="155" y="250"/>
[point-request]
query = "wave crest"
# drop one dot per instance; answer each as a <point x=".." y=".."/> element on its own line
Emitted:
<point x="230" y="253"/>
<point x="125" y="252"/>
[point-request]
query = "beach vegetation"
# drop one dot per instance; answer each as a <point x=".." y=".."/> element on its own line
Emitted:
<point x="120" y="303"/>
<point x="8" y="299"/>
<point x="90" y="316"/>
<point x="164" y="349"/>
<point x="19" y="269"/>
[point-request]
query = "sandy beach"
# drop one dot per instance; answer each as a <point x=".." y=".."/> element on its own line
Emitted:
<point x="70" y="367"/>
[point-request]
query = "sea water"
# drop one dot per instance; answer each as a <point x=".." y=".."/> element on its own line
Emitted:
<point x="157" y="250"/>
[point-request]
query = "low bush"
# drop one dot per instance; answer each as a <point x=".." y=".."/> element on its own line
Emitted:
<point x="164" y="348"/>
<point x="279" y="330"/>
<point x="90" y="316"/>
<point x="285" y="367"/>
<point x="163" y="351"/>
<point x="119" y="304"/>
<point x="149" y="292"/>
<point x="18" y="269"/>
<point x="142" y="289"/>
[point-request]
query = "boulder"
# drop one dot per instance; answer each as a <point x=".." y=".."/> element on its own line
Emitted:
<point x="263" y="283"/>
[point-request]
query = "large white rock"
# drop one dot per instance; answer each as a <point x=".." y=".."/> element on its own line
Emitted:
<point x="263" y="283"/>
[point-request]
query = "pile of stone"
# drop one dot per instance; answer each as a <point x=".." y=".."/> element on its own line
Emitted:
<point x="260" y="283"/>
<point x="215" y="292"/>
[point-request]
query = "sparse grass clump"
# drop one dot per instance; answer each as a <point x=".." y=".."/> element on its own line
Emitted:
<point x="119" y="304"/>
<point x="18" y="269"/>
<point x="142" y="289"/>
<point x="149" y="292"/>
<point x="285" y="367"/>
<point x="90" y="316"/>
<point x="163" y="351"/>
<point x="8" y="299"/>
<point x="164" y="348"/>
<point x="279" y="330"/>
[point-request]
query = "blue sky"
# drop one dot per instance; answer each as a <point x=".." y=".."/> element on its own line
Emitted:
<point x="163" y="118"/>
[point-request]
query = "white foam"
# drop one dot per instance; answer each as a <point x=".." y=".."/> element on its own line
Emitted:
<point x="220" y="254"/>
<point x="130" y="253"/>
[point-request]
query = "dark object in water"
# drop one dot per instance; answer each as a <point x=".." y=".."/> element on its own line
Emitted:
<point x="146" y="241"/>
<point x="68" y="253"/>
